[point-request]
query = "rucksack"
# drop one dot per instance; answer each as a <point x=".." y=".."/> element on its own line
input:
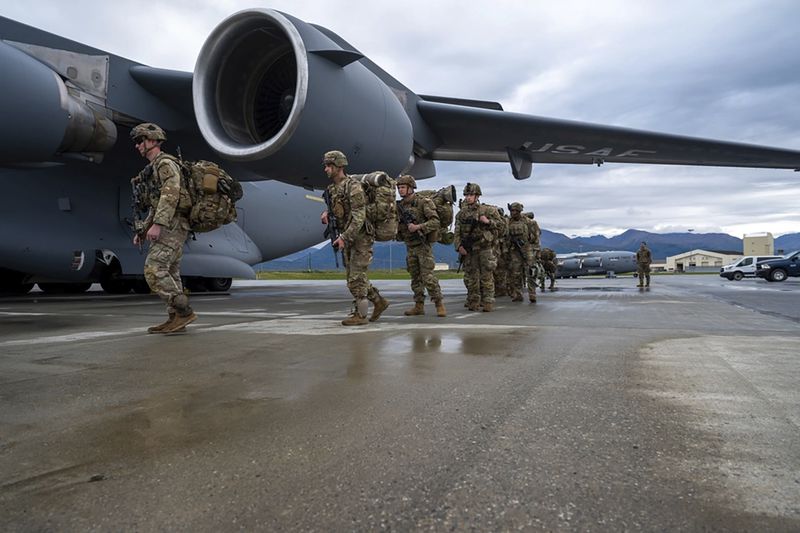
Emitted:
<point x="443" y="199"/>
<point x="380" y="191"/>
<point x="213" y="193"/>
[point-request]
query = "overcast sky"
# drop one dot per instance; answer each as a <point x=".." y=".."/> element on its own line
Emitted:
<point x="727" y="70"/>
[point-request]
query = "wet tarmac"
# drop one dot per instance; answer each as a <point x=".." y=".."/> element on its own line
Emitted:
<point x="602" y="407"/>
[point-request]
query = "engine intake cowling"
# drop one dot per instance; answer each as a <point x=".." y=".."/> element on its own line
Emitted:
<point x="274" y="91"/>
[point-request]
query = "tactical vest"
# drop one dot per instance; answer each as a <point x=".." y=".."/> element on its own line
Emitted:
<point x="415" y="209"/>
<point x="470" y="227"/>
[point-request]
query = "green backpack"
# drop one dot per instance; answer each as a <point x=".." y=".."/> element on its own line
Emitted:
<point x="443" y="199"/>
<point x="213" y="193"/>
<point x="380" y="191"/>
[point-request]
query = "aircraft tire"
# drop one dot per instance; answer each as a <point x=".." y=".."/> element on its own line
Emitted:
<point x="218" y="284"/>
<point x="195" y="284"/>
<point x="140" y="286"/>
<point x="116" y="286"/>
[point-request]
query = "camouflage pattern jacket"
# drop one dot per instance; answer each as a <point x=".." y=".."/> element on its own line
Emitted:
<point x="468" y="227"/>
<point x="165" y="197"/>
<point x="643" y="256"/>
<point x="423" y="211"/>
<point x="350" y="208"/>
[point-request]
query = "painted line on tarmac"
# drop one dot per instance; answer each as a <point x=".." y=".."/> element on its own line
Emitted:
<point x="83" y="336"/>
<point x="334" y="327"/>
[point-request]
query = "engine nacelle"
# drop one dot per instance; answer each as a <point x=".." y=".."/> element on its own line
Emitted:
<point x="571" y="264"/>
<point x="593" y="262"/>
<point x="275" y="91"/>
<point x="41" y="119"/>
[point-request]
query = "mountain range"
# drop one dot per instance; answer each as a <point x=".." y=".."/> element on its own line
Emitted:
<point x="392" y="255"/>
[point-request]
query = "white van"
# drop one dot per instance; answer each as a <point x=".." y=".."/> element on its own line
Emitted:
<point x="744" y="267"/>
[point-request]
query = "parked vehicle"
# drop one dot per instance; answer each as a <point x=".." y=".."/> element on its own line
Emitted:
<point x="780" y="269"/>
<point x="744" y="267"/>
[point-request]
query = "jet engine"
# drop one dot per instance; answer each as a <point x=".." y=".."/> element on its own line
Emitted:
<point x="593" y="262"/>
<point x="277" y="92"/>
<point x="42" y="117"/>
<point x="570" y="264"/>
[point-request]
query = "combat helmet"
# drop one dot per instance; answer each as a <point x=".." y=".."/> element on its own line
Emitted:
<point x="472" y="188"/>
<point x="148" y="130"/>
<point x="335" y="157"/>
<point x="515" y="206"/>
<point x="407" y="180"/>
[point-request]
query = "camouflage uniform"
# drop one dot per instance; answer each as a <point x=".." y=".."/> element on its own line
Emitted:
<point x="501" y="273"/>
<point x="480" y="261"/>
<point x="171" y="209"/>
<point x="349" y="206"/>
<point x="549" y="263"/>
<point x="643" y="260"/>
<point x="521" y="239"/>
<point x="168" y="206"/>
<point x="419" y="252"/>
<point x="536" y="247"/>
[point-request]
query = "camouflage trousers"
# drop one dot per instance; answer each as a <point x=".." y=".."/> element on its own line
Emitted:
<point x="358" y="256"/>
<point x="549" y="269"/>
<point x="520" y="273"/>
<point x="479" y="267"/>
<point x="420" y="263"/>
<point x="643" y="271"/>
<point x="162" y="266"/>
<point x="536" y="277"/>
<point x="501" y="273"/>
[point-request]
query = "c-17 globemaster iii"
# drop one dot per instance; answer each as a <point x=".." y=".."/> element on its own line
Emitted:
<point x="261" y="100"/>
<point x="577" y="264"/>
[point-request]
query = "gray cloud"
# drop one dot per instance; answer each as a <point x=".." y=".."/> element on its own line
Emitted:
<point x="728" y="70"/>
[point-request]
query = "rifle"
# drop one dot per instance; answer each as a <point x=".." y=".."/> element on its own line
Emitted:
<point x="406" y="218"/>
<point x="332" y="230"/>
<point x="141" y="189"/>
<point x="467" y="241"/>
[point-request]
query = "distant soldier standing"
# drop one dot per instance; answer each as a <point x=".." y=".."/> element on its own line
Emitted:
<point x="521" y="238"/>
<point x="166" y="226"/>
<point x="418" y="218"/>
<point x="643" y="260"/>
<point x="476" y="230"/>
<point x="549" y="266"/>
<point x="501" y="252"/>
<point x="350" y="208"/>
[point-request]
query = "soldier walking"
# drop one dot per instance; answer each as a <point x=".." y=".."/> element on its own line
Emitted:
<point x="349" y="206"/>
<point x="643" y="260"/>
<point x="165" y="227"/>
<point x="549" y="266"/>
<point x="477" y="227"/>
<point x="418" y="218"/>
<point x="521" y="237"/>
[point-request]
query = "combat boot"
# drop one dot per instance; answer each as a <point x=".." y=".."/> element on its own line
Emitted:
<point x="474" y="307"/>
<point x="516" y="297"/>
<point x="418" y="309"/>
<point x="647" y="283"/>
<point x="180" y="322"/>
<point x="379" y="307"/>
<point x="488" y="308"/>
<point x="532" y="297"/>
<point x="440" y="310"/>
<point x="355" y="319"/>
<point x="159" y="328"/>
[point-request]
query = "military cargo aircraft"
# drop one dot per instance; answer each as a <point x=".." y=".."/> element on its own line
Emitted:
<point x="267" y="96"/>
<point x="577" y="264"/>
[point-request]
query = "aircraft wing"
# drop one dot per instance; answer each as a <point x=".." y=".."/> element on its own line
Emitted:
<point x="482" y="131"/>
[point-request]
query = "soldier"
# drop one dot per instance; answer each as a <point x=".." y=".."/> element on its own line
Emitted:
<point x="643" y="260"/>
<point x="501" y="252"/>
<point x="536" y="265"/>
<point x="166" y="226"/>
<point x="418" y="218"/>
<point x="549" y="263"/>
<point x="477" y="227"/>
<point x="349" y="205"/>
<point x="521" y="259"/>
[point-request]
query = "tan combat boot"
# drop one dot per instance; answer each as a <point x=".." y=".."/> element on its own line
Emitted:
<point x="474" y="307"/>
<point x="180" y="323"/>
<point x="378" y="308"/>
<point x="159" y="328"/>
<point x="440" y="310"/>
<point x="355" y="320"/>
<point x="488" y="308"/>
<point x="418" y="309"/>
